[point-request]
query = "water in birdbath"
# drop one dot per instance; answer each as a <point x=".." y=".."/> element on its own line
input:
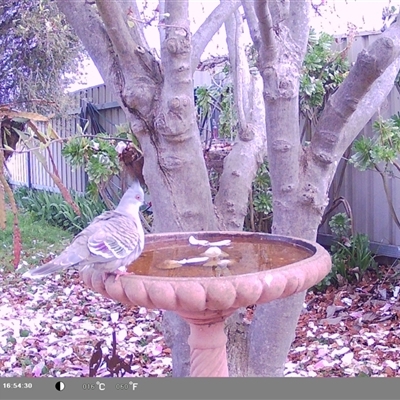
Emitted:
<point x="243" y="255"/>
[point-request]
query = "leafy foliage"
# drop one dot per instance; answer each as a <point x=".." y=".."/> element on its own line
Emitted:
<point x="383" y="147"/>
<point x="52" y="208"/>
<point x="260" y="210"/>
<point x="228" y="123"/>
<point x="351" y="256"/>
<point x="38" y="50"/>
<point x="5" y="189"/>
<point x="323" y="71"/>
<point x="98" y="157"/>
<point x="217" y="101"/>
<point x="259" y="213"/>
<point x="340" y="225"/>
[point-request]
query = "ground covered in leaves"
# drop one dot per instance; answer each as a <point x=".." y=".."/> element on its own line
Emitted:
<point x="58" y="327"/>
<point x="350" y="331"/>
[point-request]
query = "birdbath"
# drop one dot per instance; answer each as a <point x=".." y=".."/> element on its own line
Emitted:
<point x="258" y="268"/>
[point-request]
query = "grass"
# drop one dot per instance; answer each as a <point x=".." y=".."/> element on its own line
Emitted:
<point x="39" y="241"/>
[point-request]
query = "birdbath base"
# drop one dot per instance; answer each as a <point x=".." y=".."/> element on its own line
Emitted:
<point x="205" y="301"/>
<point x="207" y="342"/>
<point x="208" y="350"/>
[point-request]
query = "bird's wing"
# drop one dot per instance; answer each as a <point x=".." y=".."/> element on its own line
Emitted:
<point x="117" y="237"/>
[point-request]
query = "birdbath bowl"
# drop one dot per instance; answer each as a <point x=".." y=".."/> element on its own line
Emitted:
<point x="258" y="268"/>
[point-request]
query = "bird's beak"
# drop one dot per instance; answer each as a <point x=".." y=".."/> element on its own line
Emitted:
<point x="145" y="207"/>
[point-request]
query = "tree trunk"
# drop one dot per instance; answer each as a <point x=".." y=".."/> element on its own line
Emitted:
<point x="176" y="333"/>
<point x="280" y="58"/>
<point x="249" y="147"/>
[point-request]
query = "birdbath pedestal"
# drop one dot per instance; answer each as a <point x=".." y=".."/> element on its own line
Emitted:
<point x="259" y="274"/>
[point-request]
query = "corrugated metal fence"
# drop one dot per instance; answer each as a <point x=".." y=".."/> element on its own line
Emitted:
<point x="364" y="190"/>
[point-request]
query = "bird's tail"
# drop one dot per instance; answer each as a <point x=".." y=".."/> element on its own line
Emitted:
<point x="44" y="270"/>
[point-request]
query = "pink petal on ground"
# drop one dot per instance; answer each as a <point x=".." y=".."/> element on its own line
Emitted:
<point x="322" y="352"/>
<point x="37" y="369"/>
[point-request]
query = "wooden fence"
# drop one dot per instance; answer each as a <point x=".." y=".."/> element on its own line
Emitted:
<point x="363" y="190"/>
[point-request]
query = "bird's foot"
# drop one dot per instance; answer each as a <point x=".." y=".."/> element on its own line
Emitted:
<point x="119" y="273"/>
<point x="116" y="273"/>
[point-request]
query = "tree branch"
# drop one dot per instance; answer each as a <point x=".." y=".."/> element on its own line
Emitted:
<point x="86" y="22"/>
<point x="137" y="31"/>
<point x="240" y="64"/>
<point x="241" y="164"/>
<point x="252" y="22"/>
<point x="373" y="72"/>
<point x="298" y="22"/>
<point x="175" y="50"/>
<point x="124" y="45"/>
<point x="176" y="119"/>
<point x="90" y="30"/>
<point x="131" y="61"/>
<point x="322" y="156"/>
<point x="176" y="47"/>
<point x="269" y="47"/>
<point x="178" y="12"/>
<point x="241" y="73"/>
<point x="161" y="10"/>
<point x="209" y="27"/>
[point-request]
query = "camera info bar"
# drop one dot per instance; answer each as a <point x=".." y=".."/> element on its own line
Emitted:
<point x="197" y="388"/>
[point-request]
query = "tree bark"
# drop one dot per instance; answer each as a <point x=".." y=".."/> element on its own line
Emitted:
<point x="250" y="145"/>
<point x="174" y="167"/>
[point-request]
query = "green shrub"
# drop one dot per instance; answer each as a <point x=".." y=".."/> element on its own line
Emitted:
<point x="352" y="259"/>
<point x="52" y="208"/>
<point x="351" y="256"/>
<point x="261" y="208"/>
<point x="323" y="71"/>
<point x="90" y="208"/>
